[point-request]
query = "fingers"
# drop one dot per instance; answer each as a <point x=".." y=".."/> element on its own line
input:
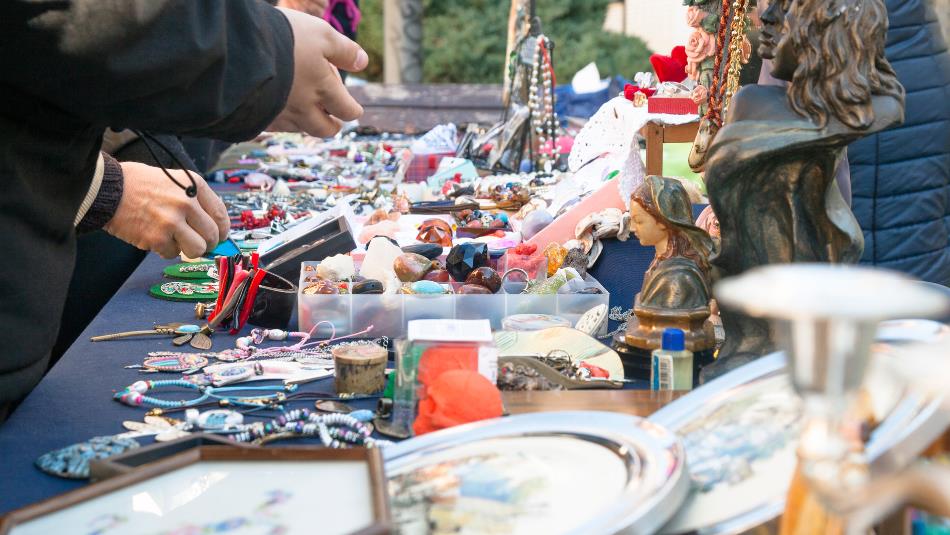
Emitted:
<point x="344" y="53"/>
<point x="166" y="248"/>
<point x="336" y="100"/>
<point x="190" y="242"/>
<point x="214" y="207"/>
<point x="203" y="225"/>
<point x="318" y="123"/>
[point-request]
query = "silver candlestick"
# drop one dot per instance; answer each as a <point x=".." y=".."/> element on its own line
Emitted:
<point x="825" y="317"/>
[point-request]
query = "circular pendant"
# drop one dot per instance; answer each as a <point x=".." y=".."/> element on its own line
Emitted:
<point x="175" y="362"/>
<point x="218" y="419"/>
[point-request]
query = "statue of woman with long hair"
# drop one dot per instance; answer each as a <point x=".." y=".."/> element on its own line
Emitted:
<point x="675" y="290"/>
<point x="770" y="172"/>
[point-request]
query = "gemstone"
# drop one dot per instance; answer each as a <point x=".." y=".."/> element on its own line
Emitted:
<point x="427" y="287"/>
<point x="591" y="290"/>
<point x="464" y="258"/>
<point x="472" y="289"/>
<point x="368" y="286"/>
<point x="428" y="250"/>
<point x="437" y="275"/>
<point x="577" y="259"/>
<point x="337" y="267"/>
<point x="322" y="287"/>
<point x="535" y="222"/>
<point x="378" y="262"/>
<point x="485" y="276"/>
<point x="556" y="255"/>
<point x="411" y="267"/>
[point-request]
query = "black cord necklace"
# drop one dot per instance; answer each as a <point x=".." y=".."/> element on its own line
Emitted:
<point x="147" y="139"/>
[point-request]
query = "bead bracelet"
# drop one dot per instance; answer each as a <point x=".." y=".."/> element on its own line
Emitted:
<point x="134" y="394"/>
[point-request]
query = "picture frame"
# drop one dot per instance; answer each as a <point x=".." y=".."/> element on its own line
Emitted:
<point x="564" y="472"/>
<point x="225" y="486"/>
<point x="123" y="463"/>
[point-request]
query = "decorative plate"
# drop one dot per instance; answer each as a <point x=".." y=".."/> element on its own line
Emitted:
<point x="564" y="472"/>
<point x="740" y="432"/>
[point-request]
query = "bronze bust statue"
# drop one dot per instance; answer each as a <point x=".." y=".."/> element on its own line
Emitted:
<point x="770" y="172"/>
<point x="676" y="289"/>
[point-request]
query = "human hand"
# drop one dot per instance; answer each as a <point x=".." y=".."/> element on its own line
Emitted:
<point x="310" y="7"/>
<point x="156" y="215"/>
<point x="318" y="100"/>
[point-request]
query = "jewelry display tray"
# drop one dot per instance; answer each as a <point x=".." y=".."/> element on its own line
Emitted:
<point x="389" y="313"/>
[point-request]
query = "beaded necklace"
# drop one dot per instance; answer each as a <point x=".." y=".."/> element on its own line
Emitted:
<point x="541" y="98"/>
<point x="334" y="430"/>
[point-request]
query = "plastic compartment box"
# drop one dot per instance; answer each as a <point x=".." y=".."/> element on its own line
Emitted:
<point x="388" y="314"/>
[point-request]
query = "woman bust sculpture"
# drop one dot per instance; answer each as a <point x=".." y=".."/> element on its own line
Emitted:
<point x="770" y="172"/>
<point x="675" y="290"/>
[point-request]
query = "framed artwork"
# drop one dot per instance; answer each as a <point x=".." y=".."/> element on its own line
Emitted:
<point x="740" y="432"/>
<point x="217" y="489"/>
<point x="552" y="472"/>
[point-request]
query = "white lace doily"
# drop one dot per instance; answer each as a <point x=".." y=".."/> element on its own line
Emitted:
<point x="611" y="133"/>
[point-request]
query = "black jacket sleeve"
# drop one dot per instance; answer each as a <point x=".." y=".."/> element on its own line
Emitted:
<point x="219" y="68"/>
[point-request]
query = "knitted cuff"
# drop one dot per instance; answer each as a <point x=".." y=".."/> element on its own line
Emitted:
<point x="107" y="201"/>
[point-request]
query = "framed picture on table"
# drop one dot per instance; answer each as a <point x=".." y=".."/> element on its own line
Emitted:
<point x="218" y="489"/>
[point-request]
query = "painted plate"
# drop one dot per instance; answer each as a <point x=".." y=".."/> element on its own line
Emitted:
<point x="554" y="472"/>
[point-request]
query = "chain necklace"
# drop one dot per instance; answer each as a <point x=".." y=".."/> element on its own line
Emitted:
<point x="736" y="38"/>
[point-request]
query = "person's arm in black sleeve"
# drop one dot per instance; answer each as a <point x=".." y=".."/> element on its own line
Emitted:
<point x="220" y="68"/>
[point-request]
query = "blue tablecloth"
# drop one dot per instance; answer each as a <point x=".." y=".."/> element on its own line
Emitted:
<point x="74" y="401"/>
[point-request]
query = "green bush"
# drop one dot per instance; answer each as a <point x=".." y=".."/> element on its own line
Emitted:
<point x="464" y="40"/>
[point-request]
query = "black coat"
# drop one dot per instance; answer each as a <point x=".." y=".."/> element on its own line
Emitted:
<point x="69" y="69"/>
<point x="900" y="178"/>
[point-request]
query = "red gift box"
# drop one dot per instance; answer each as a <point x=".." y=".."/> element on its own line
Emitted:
<point x="674" y="106"/>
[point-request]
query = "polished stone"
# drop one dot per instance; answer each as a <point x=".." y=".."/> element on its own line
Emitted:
<point x="428" y="250"/>
<point x="410" y="267"/>
<point x="427" y="287"/>
<point x="368" y="286"/>
<point x="485" y="276"/>
<point x="466" y="257"/>
<point x="437" y="275"/>
<point x="474" y="289"/>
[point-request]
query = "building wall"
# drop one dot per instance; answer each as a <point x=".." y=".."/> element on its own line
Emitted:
<point x="660" y="23"/>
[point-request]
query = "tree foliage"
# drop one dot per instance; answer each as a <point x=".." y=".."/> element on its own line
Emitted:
<point x="464" y="40"/>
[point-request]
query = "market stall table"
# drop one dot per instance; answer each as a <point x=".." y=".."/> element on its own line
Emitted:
<point x="73" y="403"/>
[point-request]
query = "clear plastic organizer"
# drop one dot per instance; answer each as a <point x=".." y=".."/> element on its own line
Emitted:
<point x="389" y="313"/>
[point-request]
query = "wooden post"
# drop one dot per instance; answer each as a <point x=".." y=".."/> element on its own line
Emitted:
<point x="402" y="38"/>
<point x="509" y="47"/>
